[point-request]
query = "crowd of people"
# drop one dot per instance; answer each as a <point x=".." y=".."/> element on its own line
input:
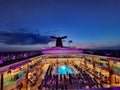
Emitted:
<point x="53" y="82"/>
<point x="8" y="56"/>
<point x="68" y="81"/>
<point x="33" y="78"/>
<point x="101" y="77"/>
<point x="88" y="81"/>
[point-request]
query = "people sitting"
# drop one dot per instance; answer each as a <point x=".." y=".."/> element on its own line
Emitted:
<point x="70" y="81"/>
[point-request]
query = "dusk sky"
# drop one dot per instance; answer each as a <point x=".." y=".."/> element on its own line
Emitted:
<point x="27" y="24"/>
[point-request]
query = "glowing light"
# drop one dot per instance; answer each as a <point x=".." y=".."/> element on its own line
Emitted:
<point x="58" y="50"/>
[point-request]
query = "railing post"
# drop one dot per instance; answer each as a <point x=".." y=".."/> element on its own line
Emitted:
<point x="1" y="81"/>
<point x="94" y="61"/>
<point x="27" y="71"/>
<point x="110" y="65"/>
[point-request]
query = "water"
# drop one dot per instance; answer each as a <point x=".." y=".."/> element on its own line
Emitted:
<point x="65" y="70"/>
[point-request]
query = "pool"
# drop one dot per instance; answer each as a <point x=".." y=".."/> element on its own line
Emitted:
<point x="64" y="70"/>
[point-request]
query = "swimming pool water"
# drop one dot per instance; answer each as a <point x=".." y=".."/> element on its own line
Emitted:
<point x="64" y="70"/>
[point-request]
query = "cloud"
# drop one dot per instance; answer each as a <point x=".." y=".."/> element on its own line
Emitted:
<point x="16" y="38"/>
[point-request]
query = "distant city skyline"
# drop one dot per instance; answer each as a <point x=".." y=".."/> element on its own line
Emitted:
<point x="28" y="24"/>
